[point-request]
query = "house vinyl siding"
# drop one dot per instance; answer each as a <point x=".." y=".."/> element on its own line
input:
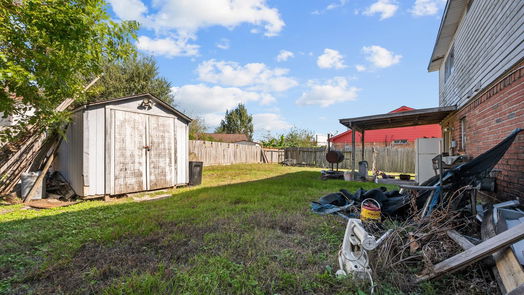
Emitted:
<point x="488" y="42"/>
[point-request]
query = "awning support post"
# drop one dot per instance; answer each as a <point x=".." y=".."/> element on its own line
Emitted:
<point x="362" y="140"/>
<point x="353" y="150"/>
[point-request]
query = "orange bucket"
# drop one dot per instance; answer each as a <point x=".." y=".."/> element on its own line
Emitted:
<point x="370" y="210"/>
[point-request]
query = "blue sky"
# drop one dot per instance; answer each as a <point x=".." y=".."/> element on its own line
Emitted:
<point x="301" y="63"/>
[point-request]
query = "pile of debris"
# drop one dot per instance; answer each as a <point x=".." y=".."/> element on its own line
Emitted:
<point x="33" y="151"/>
<point x="433" y="230"/>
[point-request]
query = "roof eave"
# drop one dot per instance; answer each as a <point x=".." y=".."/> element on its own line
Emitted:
<point x="164" y="104"/>
<point x="448" y="26"/>
<point x="401" y="119"/>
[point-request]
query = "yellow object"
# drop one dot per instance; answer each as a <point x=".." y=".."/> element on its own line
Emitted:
<point x="370" y="212"/>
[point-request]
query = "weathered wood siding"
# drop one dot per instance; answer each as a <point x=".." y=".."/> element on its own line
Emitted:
<point x="104" y="150"/>
<point x="129" y="157"/>
<point x="488" y="41"/>
<point x="161" y="163"/>
<point x="387" y="158"/>
<point x="141" y="151"/>
<point x="221" y="153"/>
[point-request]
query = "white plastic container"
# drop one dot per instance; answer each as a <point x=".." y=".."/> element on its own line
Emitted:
<point x="28" y="179"/>
<point x="347" y="175"/>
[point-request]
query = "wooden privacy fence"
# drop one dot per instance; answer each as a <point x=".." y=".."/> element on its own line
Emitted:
<point x="220" y="153"/>
<point x="274" y="155"/>
<point x="386" y="158"/>
<point x="223" y="153"/>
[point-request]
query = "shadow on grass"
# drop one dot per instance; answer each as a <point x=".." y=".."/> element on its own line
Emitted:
<point x="250" y="237"/>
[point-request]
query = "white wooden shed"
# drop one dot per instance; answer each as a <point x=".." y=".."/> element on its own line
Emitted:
<point x="125" y="145"/>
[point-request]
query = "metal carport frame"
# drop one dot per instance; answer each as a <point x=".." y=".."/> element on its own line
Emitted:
<point x="393" y="120"/>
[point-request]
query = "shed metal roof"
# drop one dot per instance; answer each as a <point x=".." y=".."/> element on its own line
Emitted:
<point x="402" y="119"/>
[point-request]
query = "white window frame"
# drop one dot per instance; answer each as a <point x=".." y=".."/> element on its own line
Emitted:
<point x="463" y="135"/>
<point x="449" y="65"/>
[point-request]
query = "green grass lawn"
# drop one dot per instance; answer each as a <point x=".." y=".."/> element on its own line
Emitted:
<point x="247" y="230"/>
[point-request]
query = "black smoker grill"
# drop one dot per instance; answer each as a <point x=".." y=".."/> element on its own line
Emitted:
<point x="333" y="158"/>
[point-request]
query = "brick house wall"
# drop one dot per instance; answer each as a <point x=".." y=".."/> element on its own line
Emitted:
<point x="488" y="118"/>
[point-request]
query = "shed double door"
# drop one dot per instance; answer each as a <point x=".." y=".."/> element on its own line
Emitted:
<point x="143" y="152"/>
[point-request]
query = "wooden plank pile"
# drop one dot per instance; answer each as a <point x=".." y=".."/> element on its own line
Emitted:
<point x="448" y="241"/>
<point x="34" y="150"/>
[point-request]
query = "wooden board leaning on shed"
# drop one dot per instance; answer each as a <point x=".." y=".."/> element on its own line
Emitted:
<point x="30" y="150"/>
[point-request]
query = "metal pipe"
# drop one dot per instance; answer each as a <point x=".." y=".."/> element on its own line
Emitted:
<point x="440" y="167"/>
<point x="418" y="187"/>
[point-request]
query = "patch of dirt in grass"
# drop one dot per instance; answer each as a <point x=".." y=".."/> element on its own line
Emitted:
<point x="282" y="252"/>
<point x="297" y="260"/>
<point x="286" y="223"/>
<point x="96" y="265"/>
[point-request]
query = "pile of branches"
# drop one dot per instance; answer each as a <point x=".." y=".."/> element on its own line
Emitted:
<point x="416" y="244"/>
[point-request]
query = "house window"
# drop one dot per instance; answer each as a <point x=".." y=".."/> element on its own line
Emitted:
<point x="463" y="137"/>
<point x="400" y="141"/>
<point x="449" y="66"/>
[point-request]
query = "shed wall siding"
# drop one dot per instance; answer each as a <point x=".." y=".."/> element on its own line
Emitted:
<point x="488" y="41"/>
<point x="70" y="154"/>
<point x="85" y="157"/>
<point x="94" y="155"/>
<point x="182" y="152"/>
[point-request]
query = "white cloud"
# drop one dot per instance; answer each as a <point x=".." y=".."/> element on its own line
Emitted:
<point x="211" y="102"/>
<point x="255" y="76"/>
<point x="284" y="55"/>
<point x="188" y="16"/>
<point x="426" y="7"/>
<point x="360" y="68"/>
<point x="213" y="119"/>
<point x="223" y="44"/>
<point x="129" y="9"/>
<point x="386" y="8"/>
<point x="325" y="94"/>
<point x="270" y="122"/>
<point x="337" y="4"/>
<point x="169" y="47"/>
<point x="381" y="57"/>
<point x="331" y="6"/>
<point x="331" y="59"/>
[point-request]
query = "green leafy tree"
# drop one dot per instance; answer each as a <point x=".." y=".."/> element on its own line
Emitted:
<point x="197" y="129"/>
<point x="47" y="48"/>
<point x="300" y="138"/>
<point x="135" y="75"/>
<point x="237" y="120"/>
<point x="294" y="138"/>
